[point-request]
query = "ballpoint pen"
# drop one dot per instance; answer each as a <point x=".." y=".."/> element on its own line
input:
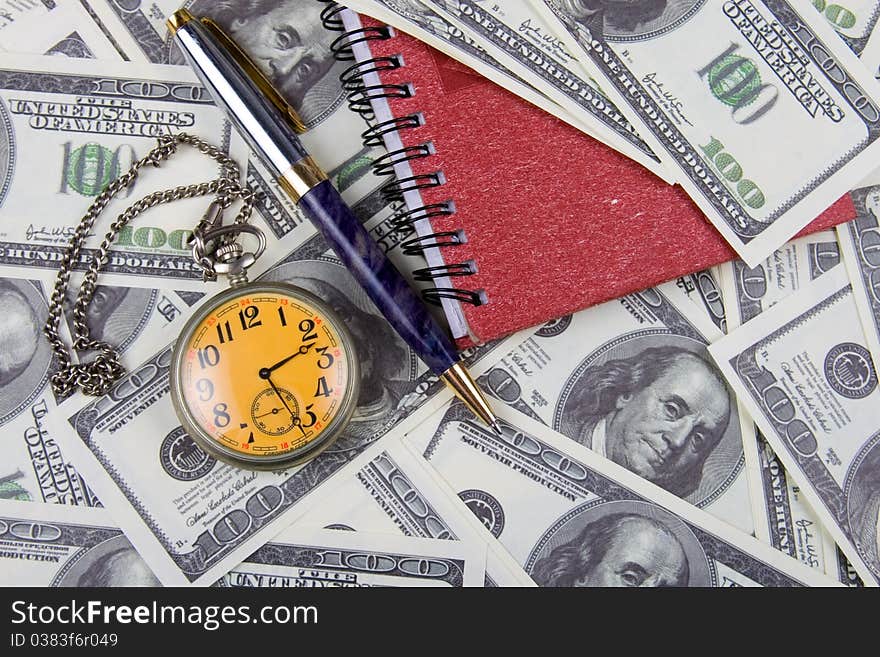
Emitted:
<point x="269" y="125"/>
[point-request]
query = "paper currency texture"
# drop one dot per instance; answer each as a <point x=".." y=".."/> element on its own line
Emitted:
<point x="771" y="76"/>
<point x="804" y="373"/>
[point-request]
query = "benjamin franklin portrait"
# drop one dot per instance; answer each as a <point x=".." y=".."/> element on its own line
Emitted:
<point x="387" y="364"/>
<point x="658" y="411"/>
<point x="287" y="41"/>
<point x="117" y="314"/>
<point x="24" y="353"/>
<point x="123" y="567"/>
<point x="619" y="544"/>
<point x="863" y="506"/>
<point x="625" y="19"/>
<point x="113" y="563"/>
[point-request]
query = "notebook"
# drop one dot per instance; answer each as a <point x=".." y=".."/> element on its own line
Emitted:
<point x="521" y="218"/>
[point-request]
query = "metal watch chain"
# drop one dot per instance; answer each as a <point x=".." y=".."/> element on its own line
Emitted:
<point x="212" y="244"/>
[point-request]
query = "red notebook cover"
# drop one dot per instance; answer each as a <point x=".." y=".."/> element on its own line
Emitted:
<point x="555" y="220"/>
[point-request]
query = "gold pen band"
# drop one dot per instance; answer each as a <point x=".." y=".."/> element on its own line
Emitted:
<point x="183" y="16"/>
<point x="178" y="19"/>
<point x="301" y="177"/>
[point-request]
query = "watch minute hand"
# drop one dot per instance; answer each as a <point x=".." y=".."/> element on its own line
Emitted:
<point x="302" y="350"/>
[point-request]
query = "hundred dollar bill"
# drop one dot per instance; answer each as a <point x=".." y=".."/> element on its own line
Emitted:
<point x="326" y="558"/>
<point x="632" y="380"/>
<point x="748" y="291"/>
<point x="853" y="20"/>
<point x="193" y="518"/>
<point x="288" y="42"/>
<point x="804" y="373"/>
<point x="71" y="128"/>
<point x="573" y="518"/>
<point x="783" y="518"/>
<point x="860" y="247"/>
<point x="348" y="167"/>
<point x="42" y="545"/>
<point x="581" y="103"/>
<point x="35" y="467"/>
<point x="55" y="28"/>
<point x="718" y="85"/>
<point x="390" y="490"/>
<point x="47" y="545"/>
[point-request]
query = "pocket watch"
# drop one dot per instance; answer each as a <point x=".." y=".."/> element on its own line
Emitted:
<point x="264" y="375"/>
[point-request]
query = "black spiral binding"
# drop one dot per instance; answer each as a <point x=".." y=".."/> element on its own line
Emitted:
<point x="360" y="96"/>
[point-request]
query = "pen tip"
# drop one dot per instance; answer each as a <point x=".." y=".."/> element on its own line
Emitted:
<point x="466" y="389"/>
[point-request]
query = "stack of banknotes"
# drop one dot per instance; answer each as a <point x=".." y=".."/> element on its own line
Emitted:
<point x="718" y="430"/>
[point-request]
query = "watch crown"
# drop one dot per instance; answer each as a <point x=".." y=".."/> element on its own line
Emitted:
<point x="228" y="252"/>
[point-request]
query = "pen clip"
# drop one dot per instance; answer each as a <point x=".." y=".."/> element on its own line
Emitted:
<point x="255" y="74"/>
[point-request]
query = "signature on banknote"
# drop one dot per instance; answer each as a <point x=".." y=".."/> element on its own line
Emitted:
<point x="49" y="234"/>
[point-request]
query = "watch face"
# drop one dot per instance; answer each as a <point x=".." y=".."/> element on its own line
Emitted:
<point x="265" y="376"/>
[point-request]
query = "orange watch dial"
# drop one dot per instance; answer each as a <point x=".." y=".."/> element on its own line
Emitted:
<point x="265" y="373"/>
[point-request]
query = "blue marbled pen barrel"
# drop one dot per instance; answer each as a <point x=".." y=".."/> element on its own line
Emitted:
<point x="388" y="289"/>
<point x="269" y="125"/>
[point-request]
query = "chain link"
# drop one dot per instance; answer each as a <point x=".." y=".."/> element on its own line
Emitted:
<point x="97" y="376"/>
